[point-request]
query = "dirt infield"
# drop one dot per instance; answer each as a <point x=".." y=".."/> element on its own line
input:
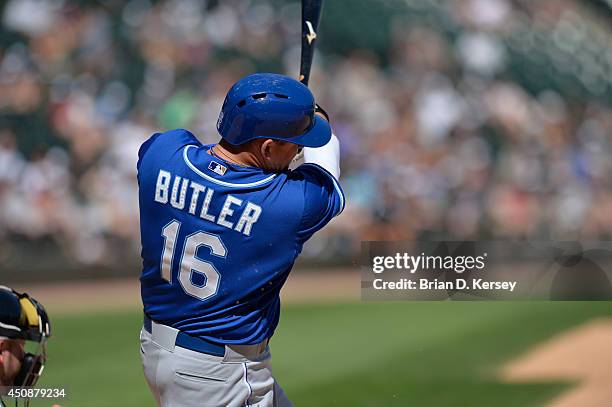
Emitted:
<point x="115" y="294"/>
<point x="582" y="355"/>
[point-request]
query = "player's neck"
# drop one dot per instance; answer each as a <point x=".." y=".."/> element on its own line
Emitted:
<point x="241" y="155"/>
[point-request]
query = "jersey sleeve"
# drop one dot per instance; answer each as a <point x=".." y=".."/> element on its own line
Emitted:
<point x="163" y="145"/>
<point x="145" y="147"/>
<point x="323" y="199"/>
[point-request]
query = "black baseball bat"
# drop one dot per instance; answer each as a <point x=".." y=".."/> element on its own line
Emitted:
<point x="311" y="13"/>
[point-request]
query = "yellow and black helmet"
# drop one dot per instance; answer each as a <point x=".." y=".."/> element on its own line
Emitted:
<point x="22" y="317"/>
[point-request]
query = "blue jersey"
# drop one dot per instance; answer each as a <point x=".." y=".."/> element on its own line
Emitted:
<point x="219" y="239"/>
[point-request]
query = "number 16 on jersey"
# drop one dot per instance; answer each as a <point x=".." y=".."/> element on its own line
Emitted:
<point x="190" y="263"/>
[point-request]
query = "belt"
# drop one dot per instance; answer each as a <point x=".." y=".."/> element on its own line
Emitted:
<point x="190" y="342"/>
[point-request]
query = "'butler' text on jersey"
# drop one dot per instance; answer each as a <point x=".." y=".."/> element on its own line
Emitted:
<point x="219" y="239"/>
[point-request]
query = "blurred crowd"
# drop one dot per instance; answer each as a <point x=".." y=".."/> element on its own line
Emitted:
<point x="440" y="140"/>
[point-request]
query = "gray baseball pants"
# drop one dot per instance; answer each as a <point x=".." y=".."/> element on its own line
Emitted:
<point x="180" y="377"/>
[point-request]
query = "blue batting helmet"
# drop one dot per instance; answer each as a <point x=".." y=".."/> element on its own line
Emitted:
<point x="267" y="105"/>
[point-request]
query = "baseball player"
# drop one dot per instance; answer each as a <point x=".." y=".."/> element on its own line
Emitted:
<point x="221" y="227"/>
<point x="22" y="319"/>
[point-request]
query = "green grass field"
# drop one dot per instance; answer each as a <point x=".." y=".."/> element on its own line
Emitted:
<point x="358" y="354"/>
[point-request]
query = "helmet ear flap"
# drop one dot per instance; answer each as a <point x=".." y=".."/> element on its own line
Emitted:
<point x="32" y="367"/>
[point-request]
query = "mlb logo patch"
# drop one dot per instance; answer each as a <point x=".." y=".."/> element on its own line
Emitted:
<point x="217" y="168"/>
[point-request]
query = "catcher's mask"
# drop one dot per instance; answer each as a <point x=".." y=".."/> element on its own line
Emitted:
<point x="22" y="317"/>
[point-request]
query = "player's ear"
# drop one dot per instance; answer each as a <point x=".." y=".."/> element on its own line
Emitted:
<point x="267" y="149"/>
